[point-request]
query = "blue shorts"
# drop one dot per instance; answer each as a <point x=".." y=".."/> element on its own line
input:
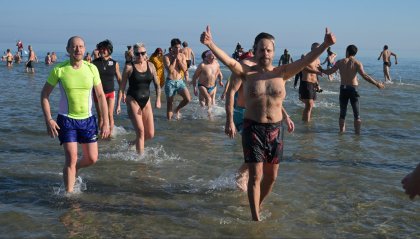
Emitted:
<point x="82" y="131"/>
<point x="238" y="118"/>
<point x="172" y="87"/>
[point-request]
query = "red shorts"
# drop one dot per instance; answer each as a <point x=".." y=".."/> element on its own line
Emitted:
<point x="110" y="95"/>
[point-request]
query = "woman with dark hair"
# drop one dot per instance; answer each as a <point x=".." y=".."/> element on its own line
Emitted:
<point x="108" y="69"/>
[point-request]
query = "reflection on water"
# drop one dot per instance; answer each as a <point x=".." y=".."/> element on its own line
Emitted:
<point x="329" y="184"/>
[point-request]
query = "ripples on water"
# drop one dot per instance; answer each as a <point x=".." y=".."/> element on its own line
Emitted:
<point x="329" y="185"/>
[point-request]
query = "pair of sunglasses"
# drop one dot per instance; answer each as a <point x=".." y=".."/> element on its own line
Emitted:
<point x="140" y="53"/>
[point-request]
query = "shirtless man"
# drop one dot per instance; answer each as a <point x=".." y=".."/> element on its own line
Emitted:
<point x="309" y="86"/>
<point x="235" y="111"/>
<point x="53" y="57"/>
<point x="386" y="57"/>
<point x="207" y="73"/>
<point x="9" y="58"/>
<point x="189" y="56"/>
<point x="31" y="59"/>
<point x="264" y="92"/>
<point x="175" y="64"/>
<point x="349" y="68"/>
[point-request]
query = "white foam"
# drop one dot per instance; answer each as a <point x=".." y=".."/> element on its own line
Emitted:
<point x="225" y="181"/>
<point x="118" y="130"/>
<point x="79" y="187"/>
<point x="152" y="155"/>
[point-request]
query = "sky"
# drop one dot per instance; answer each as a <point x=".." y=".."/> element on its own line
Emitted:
<point x="296" y="24"/>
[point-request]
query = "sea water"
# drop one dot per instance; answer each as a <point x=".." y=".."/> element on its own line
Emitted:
<point x="330" y="185"/>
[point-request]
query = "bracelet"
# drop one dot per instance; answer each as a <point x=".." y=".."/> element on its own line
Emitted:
<point x="50" y="119"/>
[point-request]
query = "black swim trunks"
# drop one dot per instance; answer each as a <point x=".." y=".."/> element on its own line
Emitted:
<point x="307" y="90"/>
<point x="387" y="63"/>
<point x="262" y="142"/>
<point x="348" y="92"/>
<point x="188" y="64"/>
<point x="29" y="64"/>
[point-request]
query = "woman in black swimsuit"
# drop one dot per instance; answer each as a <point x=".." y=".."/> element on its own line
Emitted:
<point x="139" y="74"/>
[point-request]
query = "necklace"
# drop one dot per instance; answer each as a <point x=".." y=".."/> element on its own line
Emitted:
<point x="104" y="65"/>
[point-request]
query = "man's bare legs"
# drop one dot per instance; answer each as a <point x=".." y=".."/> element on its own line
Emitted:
<point x="309" y="104"/>
<point x="71" y="165"/>
<point x="387" y="74"/>
<point x="260" y="183"/>
<point x="254" y="189"/>
<point x="186" y="98"/>
<point x="242" y="177"/>
<point x="269" y="178"/>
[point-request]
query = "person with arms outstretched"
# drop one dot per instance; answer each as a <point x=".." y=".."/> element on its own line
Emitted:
<point x="264" y="92"/>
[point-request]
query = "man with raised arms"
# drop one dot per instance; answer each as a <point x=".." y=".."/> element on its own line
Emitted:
<point x="264" y="92"/>
<point x="235" y="111"/>
<point x="75" y="122"/>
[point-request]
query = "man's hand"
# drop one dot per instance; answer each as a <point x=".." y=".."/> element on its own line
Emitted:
<point x="52" y="128"/>
<point x="206" y="37"/>
<point x="329" y="38"/>
<point x="230" y="129"/>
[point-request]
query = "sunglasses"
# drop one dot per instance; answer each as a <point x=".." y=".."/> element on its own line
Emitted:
<point x="140" y="53"/>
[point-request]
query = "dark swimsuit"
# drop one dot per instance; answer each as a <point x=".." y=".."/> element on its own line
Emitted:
<point x="139" y="86"/>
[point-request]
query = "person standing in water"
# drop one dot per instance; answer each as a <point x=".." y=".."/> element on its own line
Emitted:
<point x="386" y="57"/>
<point x="75" y="122"/>
<point x="207" y="73"/>
<point x="175" y="64"/>
<point x="108" y="70"/>
<point x="349" y="67"/>
<point x="139" y="75"/>
<point x="264" y="93"/>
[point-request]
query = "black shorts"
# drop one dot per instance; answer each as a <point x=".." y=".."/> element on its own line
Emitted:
<point x="307" y="90"/>
<point x="348" y="92"/>
<point x="29" y="64"/>
<point x="188" y="63"/>
<point x="262" y="142"/>
<point x="388" y="64"/>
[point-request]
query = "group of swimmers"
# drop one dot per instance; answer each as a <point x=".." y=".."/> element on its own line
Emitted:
<point x="32" y="57"/>
<point x="257" y="113"/>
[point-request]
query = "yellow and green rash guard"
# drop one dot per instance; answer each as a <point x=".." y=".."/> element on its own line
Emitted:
<point x="76" y="88"/>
